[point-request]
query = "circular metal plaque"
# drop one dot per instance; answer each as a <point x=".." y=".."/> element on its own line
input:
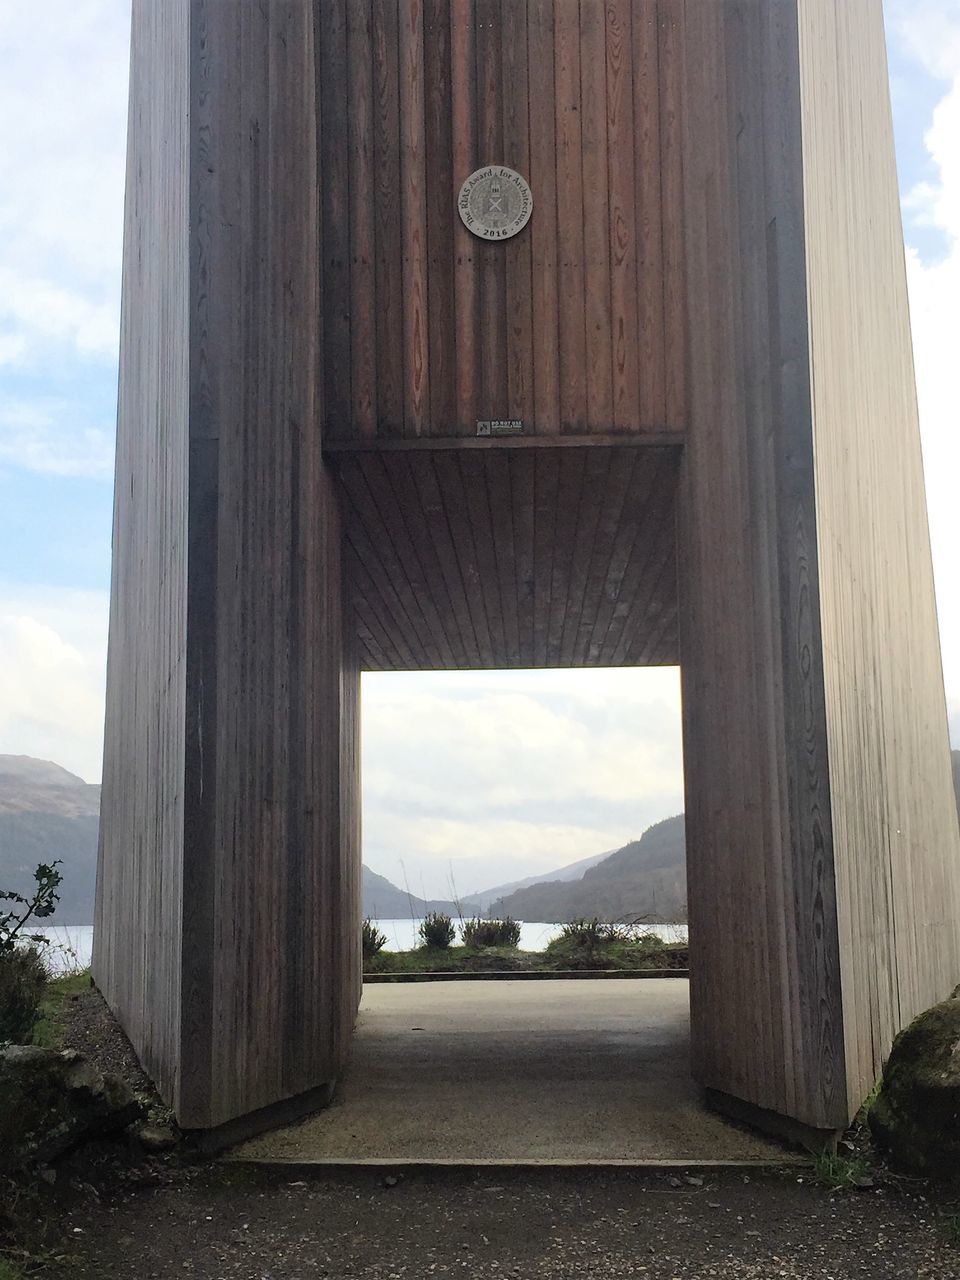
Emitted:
<point x="495" y="203"/>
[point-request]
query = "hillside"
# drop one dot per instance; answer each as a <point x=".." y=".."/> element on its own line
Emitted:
<point x="645" y="878"/>
<point x="477" y="903"/>
<point x="384" y="901"/>
<point x="47" y="814"/>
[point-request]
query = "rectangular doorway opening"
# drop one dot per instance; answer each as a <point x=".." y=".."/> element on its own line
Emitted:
<point x="553" y="799"/>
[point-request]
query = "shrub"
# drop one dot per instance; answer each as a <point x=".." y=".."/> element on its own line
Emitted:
<point x="596" y="932"/>
<point x="372" y="939"/>
<point x="436" y="930"/>
<point x="490" y="933"/>
<point x="23" y="982"/>
<point x="581" y="942"/>
<point x="23" y="974"/>
<point x="584" y="933"/>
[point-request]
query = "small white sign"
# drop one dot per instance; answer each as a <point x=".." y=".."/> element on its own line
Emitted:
<point x="500" y="427"/>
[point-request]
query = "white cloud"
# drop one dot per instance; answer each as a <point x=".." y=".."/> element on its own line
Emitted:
<point x="52" y="655"/>
<point x="929" y="31"/>
<point x="502" y="774"/>
<point x="63" y="84"/>
<point x="510" y="772"/>
<point x="932" y="32"/>
<point x="34" y="312"/>
<point x="44" y="435"/>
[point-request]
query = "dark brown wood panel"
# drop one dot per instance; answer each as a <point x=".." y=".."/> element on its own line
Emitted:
<point x="441" y="299"/>
<point x="388" y="237"/>
<point x="501" y="556"/>
<point x="363" y="214"/>
<point x="758" y="804"/>
<point x="336" y="141"/>
<point x="267" y="834"/>
<point x="575" y="325"/>
<point x="649" y="211"/>
<point x="621" y="125"/>
<point x="518" y="267"/>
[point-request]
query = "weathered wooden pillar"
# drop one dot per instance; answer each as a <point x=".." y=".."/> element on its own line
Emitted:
<point x="226" y="934"/>
<point x="824" y="858"/>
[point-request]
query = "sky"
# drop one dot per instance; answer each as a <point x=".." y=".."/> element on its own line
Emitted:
<point x="470" y="779"/>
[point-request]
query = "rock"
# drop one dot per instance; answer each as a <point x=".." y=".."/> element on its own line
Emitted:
<point x="916" y="1117"/>
<point x="156" y="1137"/>
<point x="51" y="1102"/>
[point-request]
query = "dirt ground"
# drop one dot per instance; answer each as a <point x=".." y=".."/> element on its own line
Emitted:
<point x="88" y="1026"/>
<point x="242" y="1223"/>
<point x="155" y="1219"/>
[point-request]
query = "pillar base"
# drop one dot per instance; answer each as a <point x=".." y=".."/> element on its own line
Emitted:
<point x="286" y="1111"/>
<point x="793" y="1132"/>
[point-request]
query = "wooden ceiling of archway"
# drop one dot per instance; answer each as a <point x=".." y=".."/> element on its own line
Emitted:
<point x="502" y="557"/>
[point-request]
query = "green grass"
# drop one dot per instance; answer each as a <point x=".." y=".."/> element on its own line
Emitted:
<point x="612" y="954"/>
<point x="840" y="1173"/>
<point x="863" y="1115"/>
<point x="449" y="960"/>
<point x="9" y="1272"/>
<point x="48" y="1031"/>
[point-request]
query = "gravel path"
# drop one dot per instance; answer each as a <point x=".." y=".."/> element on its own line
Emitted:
<point x="243" y="1224"/>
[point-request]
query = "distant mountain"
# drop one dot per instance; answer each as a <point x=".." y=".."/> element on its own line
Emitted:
<point x="646" y="877"/>
<point x="480" y="902"/>
<point x="47" y="814"/>
<point x="384" y="901"/>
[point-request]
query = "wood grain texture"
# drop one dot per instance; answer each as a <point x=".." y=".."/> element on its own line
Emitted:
<point x="388" y="240"/>
<point x="817" y="771"/>
<point x="501" y="557"/>
<point x="137" y="934"/>
<point x="414" y="162"/>
<point x="705" y="332"/>
<point x="895" y="837"/>
<point x="245" y="897"/>
<point x="765" y="1018"/>
<point x="575" y="325"/>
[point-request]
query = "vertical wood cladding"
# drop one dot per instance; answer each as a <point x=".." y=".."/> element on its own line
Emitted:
<point x="574" y="325"/>
<point x="511" y="556"/>
<point x="228" y="900"/>
<point x="896" y="842"/>
<point x="271" y="694"/>
<point x="766" y="1014"/>
<point x="296" y="276"/>
<point x="137" y="936"/>
<point x="817" y="765"/>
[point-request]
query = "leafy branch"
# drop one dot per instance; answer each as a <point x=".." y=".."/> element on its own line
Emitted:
<point x="42" y="904"/>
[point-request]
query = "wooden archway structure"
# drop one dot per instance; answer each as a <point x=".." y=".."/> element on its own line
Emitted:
<point x="699" y="346"/>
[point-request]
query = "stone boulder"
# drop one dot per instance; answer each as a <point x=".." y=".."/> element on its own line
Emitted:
<point x="916" y="1118"/>
<point x="51" y="1102"/>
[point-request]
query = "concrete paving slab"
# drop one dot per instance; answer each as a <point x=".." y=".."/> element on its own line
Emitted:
<point x="519" y="1072"/>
